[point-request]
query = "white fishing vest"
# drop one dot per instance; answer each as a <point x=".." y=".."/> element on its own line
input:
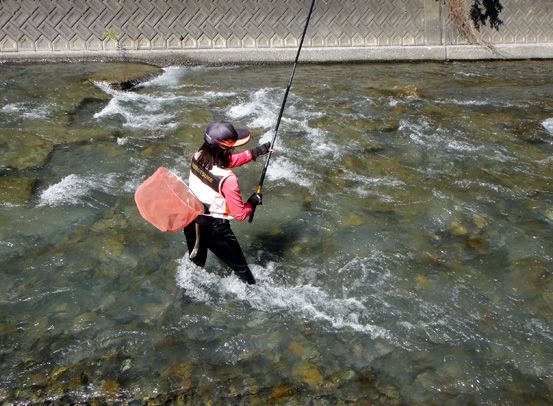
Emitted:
<point x="206" y="185"/>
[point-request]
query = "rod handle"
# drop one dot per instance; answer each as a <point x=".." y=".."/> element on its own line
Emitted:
<point x="251" y="215"/>
<point x="254" y="207"/>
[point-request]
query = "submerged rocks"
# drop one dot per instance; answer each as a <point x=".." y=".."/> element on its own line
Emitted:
<point x="23" y="150"/>
<point x="457" y="228"/>
<point x="66" y="117"/>
<point x="354" y="220"/>
<point x="480" y="222"/>
<point x="84" y="321"/>
<point x="111" y="387"/>
<point x="407" y="92"/>
<point x="384" y="126"/>
<point x="15" y="191"/>
<point x="308" y="374"/>
<point x="422" y="281"/>
<point x="281" y="392"/>
<point x="466" y="231"/>
<point x="530" y="131"/>
<point x="358" y="131"/>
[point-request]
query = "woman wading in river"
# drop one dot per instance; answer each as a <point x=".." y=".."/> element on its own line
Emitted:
<point x="216" y="186"/>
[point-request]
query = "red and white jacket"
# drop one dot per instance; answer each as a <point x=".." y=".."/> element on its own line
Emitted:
<point x="218" y="188"/>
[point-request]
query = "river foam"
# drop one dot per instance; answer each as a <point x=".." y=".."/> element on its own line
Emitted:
<point x="70" y="190"/>
<point x="548" y="125"/>
<point x="28" y="111"/>
<point x="140" y="111"/>
<point x="78" y="190"/>
<point x="271" y="295"/>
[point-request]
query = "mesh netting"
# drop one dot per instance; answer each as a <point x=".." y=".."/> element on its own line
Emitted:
<point x="165" y="201"/>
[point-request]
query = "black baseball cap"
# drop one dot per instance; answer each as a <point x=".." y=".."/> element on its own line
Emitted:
<point x="223" y="135"/>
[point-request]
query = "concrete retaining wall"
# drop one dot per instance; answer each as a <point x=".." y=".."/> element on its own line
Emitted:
<point x="211" y="31"/>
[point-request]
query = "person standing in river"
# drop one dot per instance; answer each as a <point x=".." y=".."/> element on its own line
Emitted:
<point x="216" y="186"/>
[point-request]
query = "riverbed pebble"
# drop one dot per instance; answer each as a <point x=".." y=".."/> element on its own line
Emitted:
<point x="308" y="374"/>
<point x="457" y="228"/>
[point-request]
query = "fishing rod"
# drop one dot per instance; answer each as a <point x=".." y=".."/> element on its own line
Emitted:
<point x="281" y="110"/>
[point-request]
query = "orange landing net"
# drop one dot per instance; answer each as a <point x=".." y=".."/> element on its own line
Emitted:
<point x="165" y="201"/>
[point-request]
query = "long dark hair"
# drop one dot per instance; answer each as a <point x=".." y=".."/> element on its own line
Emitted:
<point x="209" y="157"/>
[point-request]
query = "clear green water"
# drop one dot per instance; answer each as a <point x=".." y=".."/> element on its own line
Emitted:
<point x="403" y="251"/>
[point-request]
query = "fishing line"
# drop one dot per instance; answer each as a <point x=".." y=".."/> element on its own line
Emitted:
<point x="282" y="110"/>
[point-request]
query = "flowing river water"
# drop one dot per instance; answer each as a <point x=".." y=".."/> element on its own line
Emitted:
<point x="403" y="250"/>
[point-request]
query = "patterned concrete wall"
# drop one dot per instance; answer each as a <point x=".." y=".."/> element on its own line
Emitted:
<point x="104" y="26"/>
<point x="524" y="22"/>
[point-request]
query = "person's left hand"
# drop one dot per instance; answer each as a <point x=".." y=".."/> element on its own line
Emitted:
<point x="260" y="150"/>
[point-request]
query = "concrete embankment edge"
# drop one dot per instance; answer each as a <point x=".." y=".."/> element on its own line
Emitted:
<point x="312" y="55"/>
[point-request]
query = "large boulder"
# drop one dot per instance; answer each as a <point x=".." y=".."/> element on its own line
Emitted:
<point x="124" y="76"/>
